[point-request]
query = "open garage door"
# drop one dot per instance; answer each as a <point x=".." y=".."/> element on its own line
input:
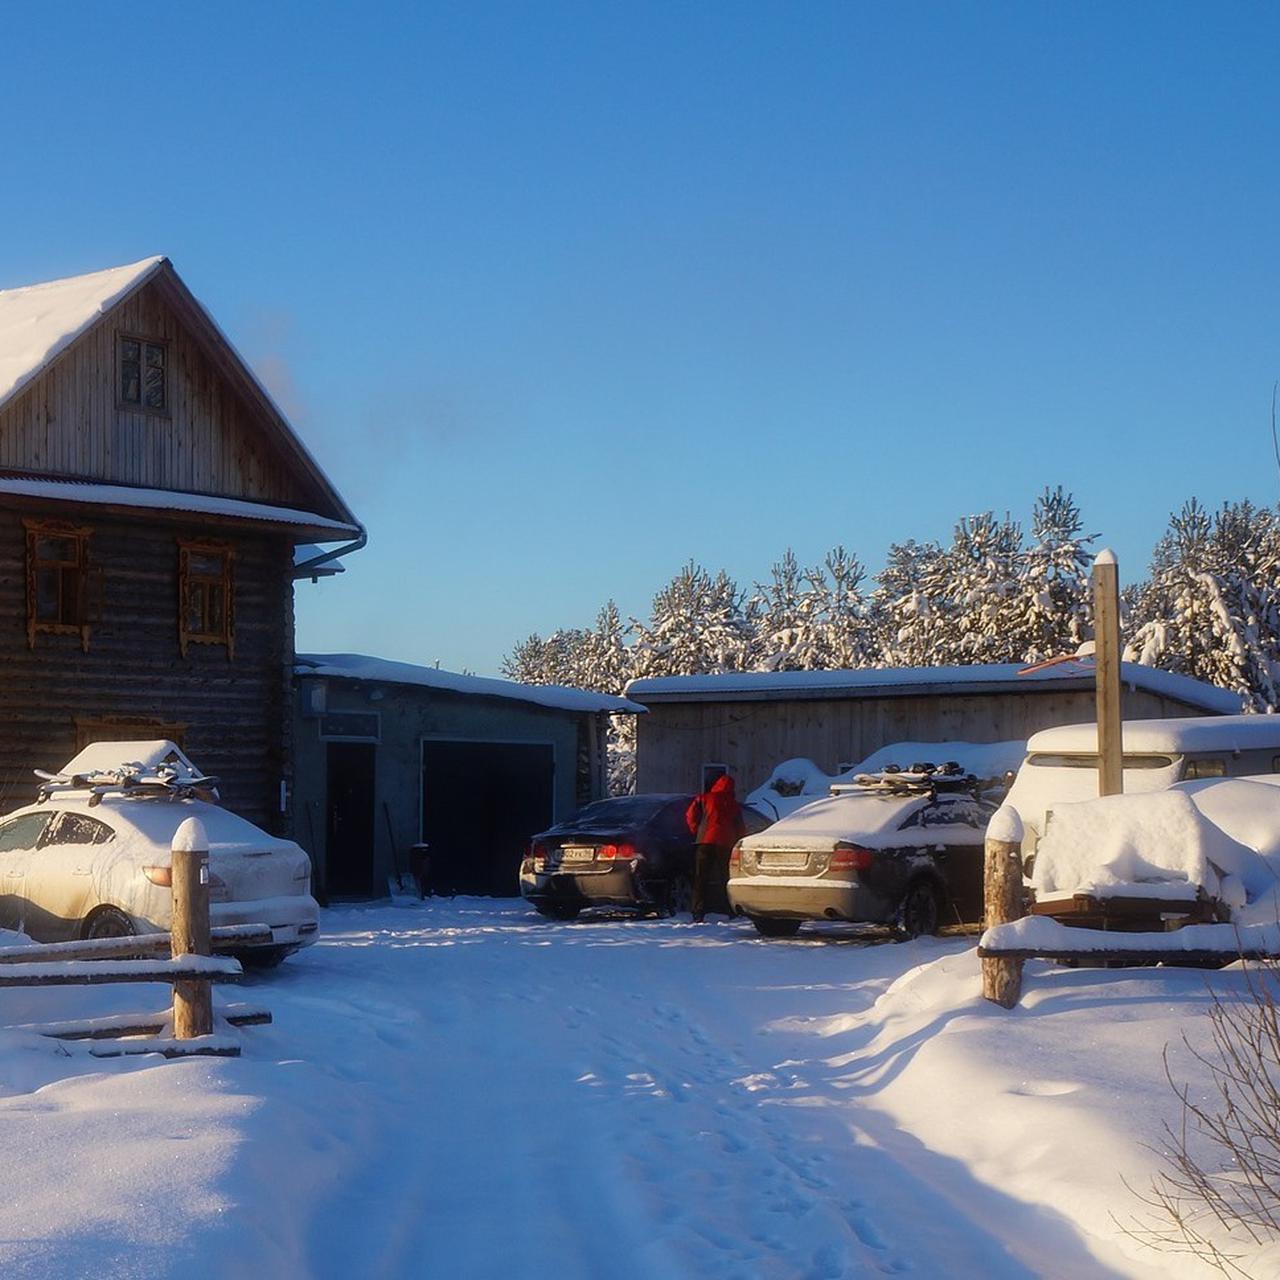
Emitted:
<point x="481" y="801"/>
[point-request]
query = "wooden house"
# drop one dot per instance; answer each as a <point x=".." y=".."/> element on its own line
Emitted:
<point x="748" y="722"/>
<point x="153" y="499"/>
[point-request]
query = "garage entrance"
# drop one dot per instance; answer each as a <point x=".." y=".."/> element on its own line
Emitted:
<point x="481" y="801"/>
<point x="349" y="826"/>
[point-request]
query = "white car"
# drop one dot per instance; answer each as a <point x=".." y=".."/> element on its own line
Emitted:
<point x="91" y="859"/>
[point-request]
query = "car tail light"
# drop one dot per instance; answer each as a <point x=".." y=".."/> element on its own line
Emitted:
<point x="735" y="858"/>
<point x="617" y="852"/>
<point x="850" y="857"/>
<point x="159" y="875"/>
<point x="537" y="854"/>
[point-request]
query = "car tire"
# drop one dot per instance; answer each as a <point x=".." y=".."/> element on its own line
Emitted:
<point x="557" y="911"/>
<point x="262" y="957"/>
<point x="918" y="912"/>
<point x="108" y="922"/>
<point x="776" y="926"/>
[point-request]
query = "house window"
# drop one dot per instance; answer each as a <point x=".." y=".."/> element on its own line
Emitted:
<point x="205" y="596"/>
<point x="57" y="580"/>
<point x="143" y="375"/>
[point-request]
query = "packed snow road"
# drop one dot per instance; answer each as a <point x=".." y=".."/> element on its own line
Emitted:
<point x="460" y="1089"/>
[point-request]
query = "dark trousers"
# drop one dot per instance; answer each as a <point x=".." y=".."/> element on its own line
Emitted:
<point x="711" y="879"/>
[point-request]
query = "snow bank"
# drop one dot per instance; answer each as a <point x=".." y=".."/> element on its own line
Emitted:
<point x="1104" y="846"/>
<point x="1049" y="937"/>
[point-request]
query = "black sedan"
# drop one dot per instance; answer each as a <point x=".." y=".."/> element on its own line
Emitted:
<point x="628" y="851"/>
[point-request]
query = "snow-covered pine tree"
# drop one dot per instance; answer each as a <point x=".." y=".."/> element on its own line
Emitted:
<point x="834" y="629"/>
<point x="610" y="669"/>
<point x="1210" y="608"/>
<point x="699" y="625"/>
<point x="1056" y="611"/>
<point x="983" y="567"/>
<point x="780" y="643"/>
<point x="910" y="608"/>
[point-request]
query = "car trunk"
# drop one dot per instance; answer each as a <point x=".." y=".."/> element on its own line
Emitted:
<point x="266" y="872"/>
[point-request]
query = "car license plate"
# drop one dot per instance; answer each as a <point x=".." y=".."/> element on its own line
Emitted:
<point x="784" y="861"/>
<point x="577" y="853"/>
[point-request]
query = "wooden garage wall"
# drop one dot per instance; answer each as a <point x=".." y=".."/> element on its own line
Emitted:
<point x="68" y="423"/>
<point x="236" y="712"/>
<point x="676" y="739"/>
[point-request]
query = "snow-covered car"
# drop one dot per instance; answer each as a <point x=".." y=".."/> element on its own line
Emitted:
<point x="91" y="859"/>
<point x="626" y="851"/>
<point x="898" y="847"/>
<point x="1061" y="766"/>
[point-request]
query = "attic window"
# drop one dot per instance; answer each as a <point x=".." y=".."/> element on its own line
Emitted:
<point x="206" y="601"/>
<point x="57" y="580"/>
<point x="143" y="376"/>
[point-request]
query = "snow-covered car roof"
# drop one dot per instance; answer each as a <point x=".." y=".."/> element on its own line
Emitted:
<point x="1195" y="733"/>
<point x="865" y="816"/>
<point x="104" y="757"/>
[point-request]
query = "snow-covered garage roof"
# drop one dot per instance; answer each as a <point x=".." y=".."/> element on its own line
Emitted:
<point x="357" y="666"/>
<point x="889" y="682"/>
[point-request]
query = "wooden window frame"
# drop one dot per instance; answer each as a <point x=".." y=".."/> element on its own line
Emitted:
<point x="88" y="581"/>
<point x="127" y="406"/>
<point x="226" y="637"/>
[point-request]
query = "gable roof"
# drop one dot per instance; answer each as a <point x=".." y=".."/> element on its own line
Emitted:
<point x="40" y="322"/>
<point x="892" y="682"/>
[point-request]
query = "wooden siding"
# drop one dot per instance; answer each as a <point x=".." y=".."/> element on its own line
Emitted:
<point x="237" y="713"/>
<point x="68" y="423"/>
<point x="674" y="740"/>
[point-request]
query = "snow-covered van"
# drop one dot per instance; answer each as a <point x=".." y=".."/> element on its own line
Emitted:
<point x="1062" y="763"/>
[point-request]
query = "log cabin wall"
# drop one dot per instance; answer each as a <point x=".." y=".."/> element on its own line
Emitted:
<point x="232" y="715"/>
<point x="69" y="422"/>
<point x="676" y="739"/>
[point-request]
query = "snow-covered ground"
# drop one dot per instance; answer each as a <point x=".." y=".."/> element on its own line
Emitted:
<point x="462" y="1089"/>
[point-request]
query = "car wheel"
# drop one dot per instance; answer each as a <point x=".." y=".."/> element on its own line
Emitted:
<point x="680" y="896"/>
<point x="262" y="957"/>
<point x="918" y="910"/>
<point x="109" y="922"/>
<point x="775" y="927"/>
<point x="557" y="911"/>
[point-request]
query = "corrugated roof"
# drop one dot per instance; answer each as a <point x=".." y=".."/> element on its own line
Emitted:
<point x="358" y="666"/>
<point x="888" y="682"/>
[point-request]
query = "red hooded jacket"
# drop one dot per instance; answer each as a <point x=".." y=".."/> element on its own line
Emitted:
<point x="715" y="817"/>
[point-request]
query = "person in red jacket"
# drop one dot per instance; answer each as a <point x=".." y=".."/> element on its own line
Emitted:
<point x="715" y="819"/>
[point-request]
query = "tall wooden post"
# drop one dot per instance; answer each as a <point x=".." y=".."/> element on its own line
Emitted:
<point x="189" y="930"/>
<point x="1106" y="630"/>
<point x="1002" y="891"/>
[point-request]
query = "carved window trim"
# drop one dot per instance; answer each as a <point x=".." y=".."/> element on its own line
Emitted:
<point x="87" y="583"/>
<point x="140" y="404"/>
<point x="193" y="581"/>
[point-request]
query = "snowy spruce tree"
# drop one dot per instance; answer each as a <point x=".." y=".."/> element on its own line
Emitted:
<point x="911" y="608"/>
<point x="1211" y="608"/>
<point x="699" y="625"/>
<point x="983" y="569"/>
<point x="834" y="622"/>
<point x="784" y="640"/>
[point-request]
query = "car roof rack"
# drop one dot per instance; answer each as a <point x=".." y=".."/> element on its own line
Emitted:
<point x="131" y="779"/>
<point x="924" y="778"/>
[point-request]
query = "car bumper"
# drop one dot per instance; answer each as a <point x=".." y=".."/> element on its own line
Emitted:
<point x="617" y="887"/>
<point x="808" y="898"/>
<point x="294" y="921"/>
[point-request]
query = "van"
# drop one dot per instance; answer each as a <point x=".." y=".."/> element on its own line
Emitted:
<point x="1062" y="763"/>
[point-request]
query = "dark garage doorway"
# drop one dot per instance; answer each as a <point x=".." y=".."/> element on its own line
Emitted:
<point x="481" y="801"/>
<point x="348" y="862"/>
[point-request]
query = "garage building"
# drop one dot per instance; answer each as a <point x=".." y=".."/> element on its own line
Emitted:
<point x="748" y="722"/>
<point x="390" y="754"/>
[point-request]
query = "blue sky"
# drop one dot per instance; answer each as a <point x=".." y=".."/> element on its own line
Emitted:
<point x="563" y="295"/>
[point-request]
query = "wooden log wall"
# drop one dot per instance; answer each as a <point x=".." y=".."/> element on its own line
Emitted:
<point x="236" y="712"/>
<point x="68" y="421"/>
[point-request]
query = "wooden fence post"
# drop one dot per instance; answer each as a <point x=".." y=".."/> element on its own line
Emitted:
<point x="189" y="930"/>
<point x="1106" y="665"/>
<point x="1002" y="890"/>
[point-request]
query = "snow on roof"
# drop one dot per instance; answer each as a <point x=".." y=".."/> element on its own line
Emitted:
<point x="121" y="495"/>
<point x="1194" y="733"/>
<point x="356" y="666"/>
<point x="39" y="321"/>
<point x="994" y="677"/>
